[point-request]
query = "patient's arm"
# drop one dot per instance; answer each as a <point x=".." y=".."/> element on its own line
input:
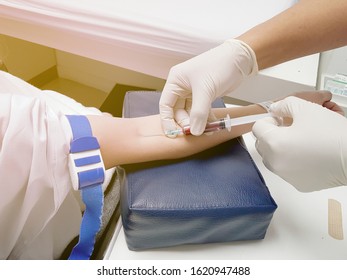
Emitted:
<point x="128" y="140"/>
<point x="125" y="141"/>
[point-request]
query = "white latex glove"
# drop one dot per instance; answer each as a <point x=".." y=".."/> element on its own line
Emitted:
<point x="193" y="85"/>
<point x="310" y="154"/>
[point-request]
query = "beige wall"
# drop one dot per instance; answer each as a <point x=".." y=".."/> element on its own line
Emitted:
<point x="101" y="75"/>
<point x="24" y="59"/>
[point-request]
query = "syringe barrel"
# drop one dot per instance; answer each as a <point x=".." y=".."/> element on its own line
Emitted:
<point x="210" y="127"/>
<point x="228" y="123"/>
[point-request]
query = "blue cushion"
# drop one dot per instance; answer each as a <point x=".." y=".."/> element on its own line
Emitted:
<point x="217" y="195"/>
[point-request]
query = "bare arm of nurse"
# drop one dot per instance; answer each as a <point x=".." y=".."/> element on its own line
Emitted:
<point x="319" y="25"/>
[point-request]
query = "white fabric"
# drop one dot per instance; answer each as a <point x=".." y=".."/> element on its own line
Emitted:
<point x="310" y="154"/>
<point x="146" y="36"/>
<point x="39" y="212"/>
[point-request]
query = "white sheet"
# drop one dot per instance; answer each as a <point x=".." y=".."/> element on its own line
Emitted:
<point x="146" y="36"/>
<point x="36" y="195"/>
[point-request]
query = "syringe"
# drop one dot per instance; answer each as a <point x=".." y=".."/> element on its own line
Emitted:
<point x="224" y="123"/>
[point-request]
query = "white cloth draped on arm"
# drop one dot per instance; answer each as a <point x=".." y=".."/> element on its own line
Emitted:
<point x="39" y="212"/>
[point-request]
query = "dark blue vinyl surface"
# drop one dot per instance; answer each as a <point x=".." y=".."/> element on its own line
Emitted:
<point x="218" y="195"/>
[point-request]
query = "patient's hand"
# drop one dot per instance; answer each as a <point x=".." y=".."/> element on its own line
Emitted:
<point x="334" y="107"/>
<point x="321" y="97"/>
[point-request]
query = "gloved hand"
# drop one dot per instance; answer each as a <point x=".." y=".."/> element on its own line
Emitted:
<point x="193" y="85"/>
<point x="311" y="153"/>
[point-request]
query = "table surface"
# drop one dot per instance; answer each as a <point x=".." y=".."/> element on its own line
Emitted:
<point x="298" y="230"/>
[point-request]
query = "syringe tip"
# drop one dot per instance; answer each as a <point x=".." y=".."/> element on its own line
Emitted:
<point x="173" y="132"/>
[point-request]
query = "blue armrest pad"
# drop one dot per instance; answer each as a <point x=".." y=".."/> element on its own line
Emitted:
<point x="217" y="195"/>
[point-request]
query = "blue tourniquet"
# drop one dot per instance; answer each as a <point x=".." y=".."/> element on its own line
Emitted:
<point x="87" y="175"/>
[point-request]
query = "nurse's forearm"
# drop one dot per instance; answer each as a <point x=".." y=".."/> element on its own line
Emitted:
<point x="308" y="27"/>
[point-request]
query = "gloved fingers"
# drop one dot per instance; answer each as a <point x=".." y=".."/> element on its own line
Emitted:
<point x="169" y="94"/>
<point x="167" y="118"/>
<point x="182" y="115"/>
<point x="170" y="100"/>
<point x="211" y="117"/>
<point x="182" y="111"/>
<point x="199" y="114"/>
<point x="262" y="129"/>
<point x="264" y="126"/>
<point x="291" y="107"/>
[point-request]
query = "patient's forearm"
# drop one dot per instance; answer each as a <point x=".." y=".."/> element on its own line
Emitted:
<point x="125" y="141"/>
